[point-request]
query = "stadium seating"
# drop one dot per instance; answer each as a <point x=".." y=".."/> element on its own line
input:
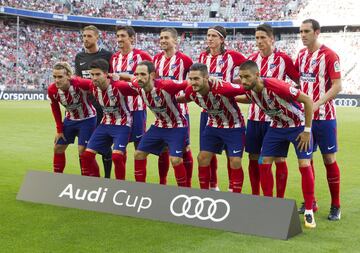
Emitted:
<point x="40" y="46"/>
<point x="179" y="10"/>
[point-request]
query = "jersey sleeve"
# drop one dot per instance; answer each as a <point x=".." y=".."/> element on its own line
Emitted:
<point x="229" y="89"/>
<point x="111" y="67"/>
<point x="291" y="70"/>
<point x="84" y="84"/>
<point x="145" y="56"/>
<point x="172" y="87"/>
<point x="55" y="108"/>
<point x="283" y="89"/>
<point x="127" y="89"/>
<point x="187" y="62"/>
<point x="188" y="93"/>
<point x="238" y="58"/>
<point x="333" y="65"/>
<point x="77" y="66"/>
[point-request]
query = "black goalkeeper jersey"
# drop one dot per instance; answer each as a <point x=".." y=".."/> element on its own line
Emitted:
<point x="83" y="61"/>
<point x="82" y="69"/>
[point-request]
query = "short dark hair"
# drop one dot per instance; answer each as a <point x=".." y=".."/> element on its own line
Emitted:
<point x="249" y="65"/>
<point x="200" y="67"/>
<point x="265" y="28"/>
<point x="150" y="66"/>
<point x="130" y="31"/>
<point x="100" y="64"/>
<point x="172" y="31"/>
<point x="315" y="24"/>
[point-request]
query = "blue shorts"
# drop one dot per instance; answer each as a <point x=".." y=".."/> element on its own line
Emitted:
<point x="139" y="125"/>
<point x="203" y="121"/>
<point x="187" y="141"/>
<point x="156" y="138"/>
<point x="214" y="139"/>
<point x="325" y="135"/>
<point x="255" y="133"/>
<point x="277" y="140"/>
<point x="106" y="135"/>
<point x="81" y="128"/>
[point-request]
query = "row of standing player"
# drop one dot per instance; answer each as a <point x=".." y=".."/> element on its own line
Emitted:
<point x="317" y="65"/>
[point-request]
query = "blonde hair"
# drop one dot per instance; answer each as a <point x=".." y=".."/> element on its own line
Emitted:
<point x="92" y="28"/>
<point x="63" y="65"/>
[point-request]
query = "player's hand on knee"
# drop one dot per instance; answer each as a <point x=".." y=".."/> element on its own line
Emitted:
<point x="304" y="141"/>
<point x="59" y="136"/>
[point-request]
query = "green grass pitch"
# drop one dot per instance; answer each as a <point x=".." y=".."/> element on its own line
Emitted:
<point x="27" y="130"/>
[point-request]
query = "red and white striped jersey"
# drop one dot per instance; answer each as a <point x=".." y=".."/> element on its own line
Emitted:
<point x="220" y="104"/>
<point x="113" y="103"/>
<point x="222" y="65"/>
<point x="173" y="68"/>
<point x="277" y="65"/>
<point x="75" y="100"/>
<point x="317" y="69"/>
<point x="278" y="100"/>
<point x="127" y="64"/>
<point x="161" y="100"/>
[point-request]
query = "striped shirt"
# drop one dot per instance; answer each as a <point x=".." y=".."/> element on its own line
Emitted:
<point x="278" y="100"/>
<point x="173" y="68"/>
<point x="317" y="70"/>
<point x="277" y="65"/>
<point x="220" y="104"/>
<point x="161" y="100"/>
<point x="127" y="64"/>
<point x="75" y="100"/>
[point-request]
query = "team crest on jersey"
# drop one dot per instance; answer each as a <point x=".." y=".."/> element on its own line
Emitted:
<point x="272" y="66"/>
<point x="174" y="66"/>
<point x="269" y="101"/>
<point x="293" y="91"/>
<point x="113" y="98"/>
<point x="158" y="99"/>
<point x="221" y="62"/>
<point x="337" y="66"/>
<point x="313" y="62"/>
<point x="76" y="97"/>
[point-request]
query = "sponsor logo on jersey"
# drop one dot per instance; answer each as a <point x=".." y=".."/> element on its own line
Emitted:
<point x="308" y="77"/>
<point x="337" y="66"/>
<point x="158" y="109"/>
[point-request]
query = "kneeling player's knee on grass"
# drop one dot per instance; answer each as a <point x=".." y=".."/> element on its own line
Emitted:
<point x="175" y="160"/>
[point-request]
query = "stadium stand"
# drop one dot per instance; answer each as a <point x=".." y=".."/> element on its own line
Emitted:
<point x="41" y="45"/>
<point x="179" y="10"/>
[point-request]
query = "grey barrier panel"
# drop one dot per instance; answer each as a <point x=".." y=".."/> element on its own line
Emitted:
<point x="241" y="213"/>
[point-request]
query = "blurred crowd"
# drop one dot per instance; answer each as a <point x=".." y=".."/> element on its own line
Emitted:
<point x="174" y="10"/>
<point x="28" y="65"/>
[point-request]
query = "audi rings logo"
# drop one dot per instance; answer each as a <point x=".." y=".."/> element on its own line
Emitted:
<point x="348" y="102"/>
<point x="200" y="208"/>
